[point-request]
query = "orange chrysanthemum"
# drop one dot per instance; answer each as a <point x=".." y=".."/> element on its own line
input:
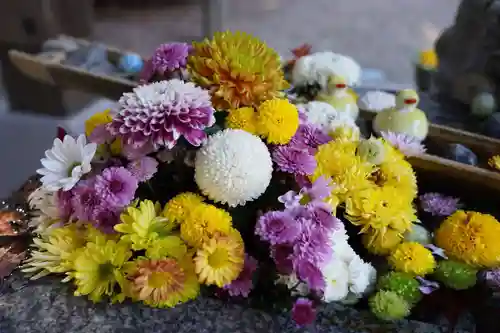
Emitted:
<point x="239" y="69"/>
<point x="163" y="283"/>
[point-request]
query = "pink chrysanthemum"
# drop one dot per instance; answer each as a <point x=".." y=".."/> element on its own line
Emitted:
<point x="159" y="113"/>
<point x="143" y="168"/>
<point x="294" y="160"/>
<point x="303" y="312"/>
<point x="407" y="145"/>
<point x="117" y="186"/>
<point x="243" y="284"/>
<point x="171" y="56"/>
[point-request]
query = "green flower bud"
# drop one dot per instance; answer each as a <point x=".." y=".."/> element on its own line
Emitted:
<point x="389" y="306"/>
<point x="456" y="275"/>
<point x="402" y="284"/>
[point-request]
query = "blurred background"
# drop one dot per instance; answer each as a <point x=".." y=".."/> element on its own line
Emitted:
<point x="384" y="35"/>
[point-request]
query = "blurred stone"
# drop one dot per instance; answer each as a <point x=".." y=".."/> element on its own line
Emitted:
<point x="60" y="44"/>
<point x="460" y="153"/>
<point x="483" y="105"/>
<point x="465" y="87"/>
<point x="52" y="56"/>
<point x="492" y="125"/>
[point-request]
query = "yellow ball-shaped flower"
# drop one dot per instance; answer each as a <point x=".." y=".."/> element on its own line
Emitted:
<point x="97" y="119"/>
<point x="277" y="120"/>
<point x="412" y="258"/>
<point x="244" y="119"/>
<point x="239" y="69"/>
<point x="382" y="243"/>
<point x="177" y="208"/>
<point x="471" y="237"/>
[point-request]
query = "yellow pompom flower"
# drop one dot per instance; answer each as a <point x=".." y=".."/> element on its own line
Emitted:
<point x="379" y="208"/>
<point x="428" y="59"/>
<point x="170" y="246"/>
<point x="220" y="260"/>
<point x="203" y="222"/>
<point x="239" y="70"/>
<point x="381" y="243"/>
<point x="177" y="208"/>
<point x="412" y="258"/>
<point x="143" y="225"/>
<point x="243" y="118"/>
<point x="338" y="161"/>
<point x="98" y="270"/>
<point x="277" y="120"/>
<point x="344" y="132"/>
<point x="164" y="282"/>
<point x="470" y="237"/>
<point x="55" y="252"/>
<point x="97" y="119"/>
<point x="494" y="162"/>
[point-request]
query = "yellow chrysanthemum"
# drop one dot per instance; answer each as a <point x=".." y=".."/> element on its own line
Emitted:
<point x="428" y="59"/>
<point x="203" y="222"/>
<point x="163" y="283"/>
<point x="494" y="162"/>
<point x="143" y="225"/>
<point x="243" y="118"/>
<point x="412" y="258"/>
<point x="220" y="260"/>
<point x="179" y="206"/>
<point x="471" y="237"/>
<point x="338" y="160"/>
<point x="382" y="243"/>
<point x="97" y="119"/>
<point x="55" y="252"/>
<point x="239" y="69"/>
<point x="379" y="208"/>
<point x="277" y="120"/>
<point x="349" y="133"/>
<point x="170" y="246"/>
<point x="98" y="270"/>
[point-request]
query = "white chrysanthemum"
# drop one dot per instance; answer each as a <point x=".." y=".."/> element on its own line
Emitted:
<point x="341" y="248"/>
<point x="319" y="113"/>
<point x="46" y="213"/>
<point x="376" y="101"/>
<point x="317" y="67"/>
<point x="66" y="162"/>
<point x="233" y="167"/>
<point x="362" y="276"/>
<point x="293" y="283"/>
<point x="336" y="276"/>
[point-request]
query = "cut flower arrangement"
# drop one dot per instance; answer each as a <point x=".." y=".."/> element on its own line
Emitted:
<point x="209" y="178"/>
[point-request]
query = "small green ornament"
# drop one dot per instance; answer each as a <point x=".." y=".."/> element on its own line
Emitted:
<point x="483" y="105"/>
<point x="402" y="284"/>
<point x="456" y="275"/>
<point x="418" y="234"/>
<point x="389" y="306"/>
<point x="371" y="150"/>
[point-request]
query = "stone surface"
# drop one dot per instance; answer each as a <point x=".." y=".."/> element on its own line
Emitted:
<point x="460" y="153"/>
<point x="492" y="125"/>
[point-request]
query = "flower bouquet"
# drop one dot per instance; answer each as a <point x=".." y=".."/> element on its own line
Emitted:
<point x="216" y="182"/>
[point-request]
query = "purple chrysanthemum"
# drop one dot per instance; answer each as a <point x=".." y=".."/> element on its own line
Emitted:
<point x="144" y="168"/>
<point x="281" y="255"/>
<point x="147" y="72"/>
<point x="243" y="284"/>
<point x="310" y="274"/>
<point x="320" y="189"/>
<point x="303" y="312"/>
<point x="309" y="136"/>
<point x="64" y="204"/>
<point x="86" y="202"/>
<point x="492" y="278"/>
<point x="438" y="204"/>
<point x="277" y="228"/>
<point x="294" y="160"/>
<point x="117" y="186"/>
<point x="169" y="57"/>
<point x="318" y="215"/>
<point x="105" y="221"/>
<point x="312" y="245"/>
<point x="158" y="114"/>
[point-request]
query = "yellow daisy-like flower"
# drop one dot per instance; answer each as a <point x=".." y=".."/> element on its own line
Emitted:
<point x="239" y="69"/>
<point x="143" y="225"/>
<point x="97" y="119"/>
<point x="277" y="120"/>
<point x="177" y="208"/>
<point x="243" y="118"/>
<point x="338" y="160"/>
<point x="163" y="283"/>
<point x="170" y="246"/>
<point x="412" y="258"/>
<point x="55" y="252"/>
<point x="203" y="222"/>
<point x="382" y="243"/>
<point x="220" y="260"/>
<point x="471" y="237"/>
<point x="98" y="270"/>
<point x="494" y="162"/>
<point x="379" y="208"/>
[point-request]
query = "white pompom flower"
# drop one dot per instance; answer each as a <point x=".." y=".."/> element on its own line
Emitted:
<point x="233" y="167"/>
<point x="317" y="67"/>
<point x="336" y="277"/>
<point x="362" y="276"/>
<point x="66" y="162"/>
<point x="319" y="113"/>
